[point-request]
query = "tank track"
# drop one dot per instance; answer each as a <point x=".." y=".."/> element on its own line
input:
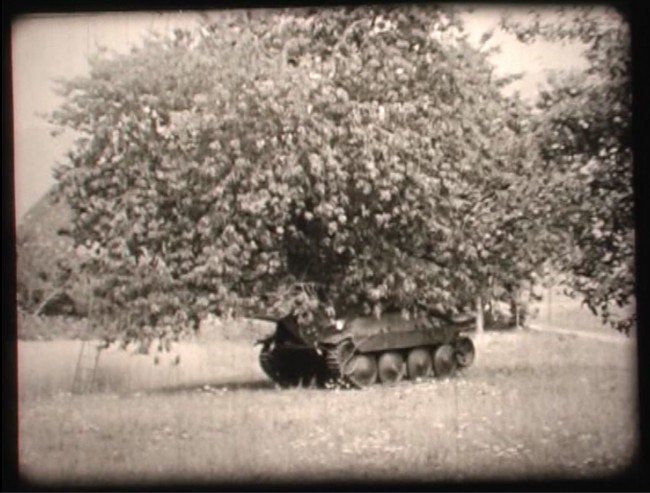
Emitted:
<point x="330" y="375"/>
<point x="269" y="364"/>
<point x="335" y="359"/>
<point x="333" y="378"/>
<point x="287" y="376"/>
<point x="333" y="366"/>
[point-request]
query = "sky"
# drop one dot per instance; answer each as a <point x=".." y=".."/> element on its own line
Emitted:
<point x="46" y="48"/>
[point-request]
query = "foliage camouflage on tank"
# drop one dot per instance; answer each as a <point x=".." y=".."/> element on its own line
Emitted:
<point x="361" y="351"/>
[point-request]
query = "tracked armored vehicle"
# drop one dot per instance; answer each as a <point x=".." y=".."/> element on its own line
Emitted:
<point x="362" y="351"/>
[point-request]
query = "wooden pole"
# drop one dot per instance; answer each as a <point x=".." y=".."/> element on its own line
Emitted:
<point x="517" y="316"/>
<point x="479" y="315"/>
<point x="517" y="304"/>
<point x="91" y="306"/>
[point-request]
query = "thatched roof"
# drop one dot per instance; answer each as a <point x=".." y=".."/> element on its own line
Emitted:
<point x="40" y="249"/>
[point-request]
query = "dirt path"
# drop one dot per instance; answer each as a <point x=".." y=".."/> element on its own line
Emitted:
<point x="614" y="338"/>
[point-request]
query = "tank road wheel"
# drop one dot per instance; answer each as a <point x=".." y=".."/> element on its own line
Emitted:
<point x="465" y="352"/>
<point x="444" y="362"/>
<point x="361" y="370"/>
<point x="419" y="363"/>
<point x="391" y="367"/>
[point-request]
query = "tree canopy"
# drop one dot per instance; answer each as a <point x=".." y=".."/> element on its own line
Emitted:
<point x="584" y="135"/>
<point x="349" y="159"/>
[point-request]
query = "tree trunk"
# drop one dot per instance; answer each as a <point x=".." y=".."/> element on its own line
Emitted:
<point x="479" y="315"/>
<point x="517" y="322"/>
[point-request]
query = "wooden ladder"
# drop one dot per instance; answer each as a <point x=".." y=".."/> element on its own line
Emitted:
<point x="84" y="375"/>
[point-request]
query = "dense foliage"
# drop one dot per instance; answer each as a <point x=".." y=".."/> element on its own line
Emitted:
<point x="348" y="159"/>
<point x="584" y="133"/>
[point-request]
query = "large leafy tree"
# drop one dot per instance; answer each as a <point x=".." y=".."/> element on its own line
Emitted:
<point x="584" y="133"/>
<point x="346" y="159"/>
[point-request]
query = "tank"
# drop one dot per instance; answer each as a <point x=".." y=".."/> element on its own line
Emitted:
<point x="362" y="351"/>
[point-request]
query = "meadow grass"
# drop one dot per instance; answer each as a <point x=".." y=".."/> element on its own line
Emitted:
<point x="534" y="405"/>
<point x="218" y="355"/>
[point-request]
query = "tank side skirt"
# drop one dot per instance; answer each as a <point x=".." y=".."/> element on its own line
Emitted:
<point x="405" y="340"/>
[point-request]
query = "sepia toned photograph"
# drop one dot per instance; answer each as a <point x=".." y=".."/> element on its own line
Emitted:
<point x="374" y="244"/>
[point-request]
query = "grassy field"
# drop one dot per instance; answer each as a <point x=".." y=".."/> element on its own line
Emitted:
<point x="558" y="310"/>
<point x="535" y="405"/>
